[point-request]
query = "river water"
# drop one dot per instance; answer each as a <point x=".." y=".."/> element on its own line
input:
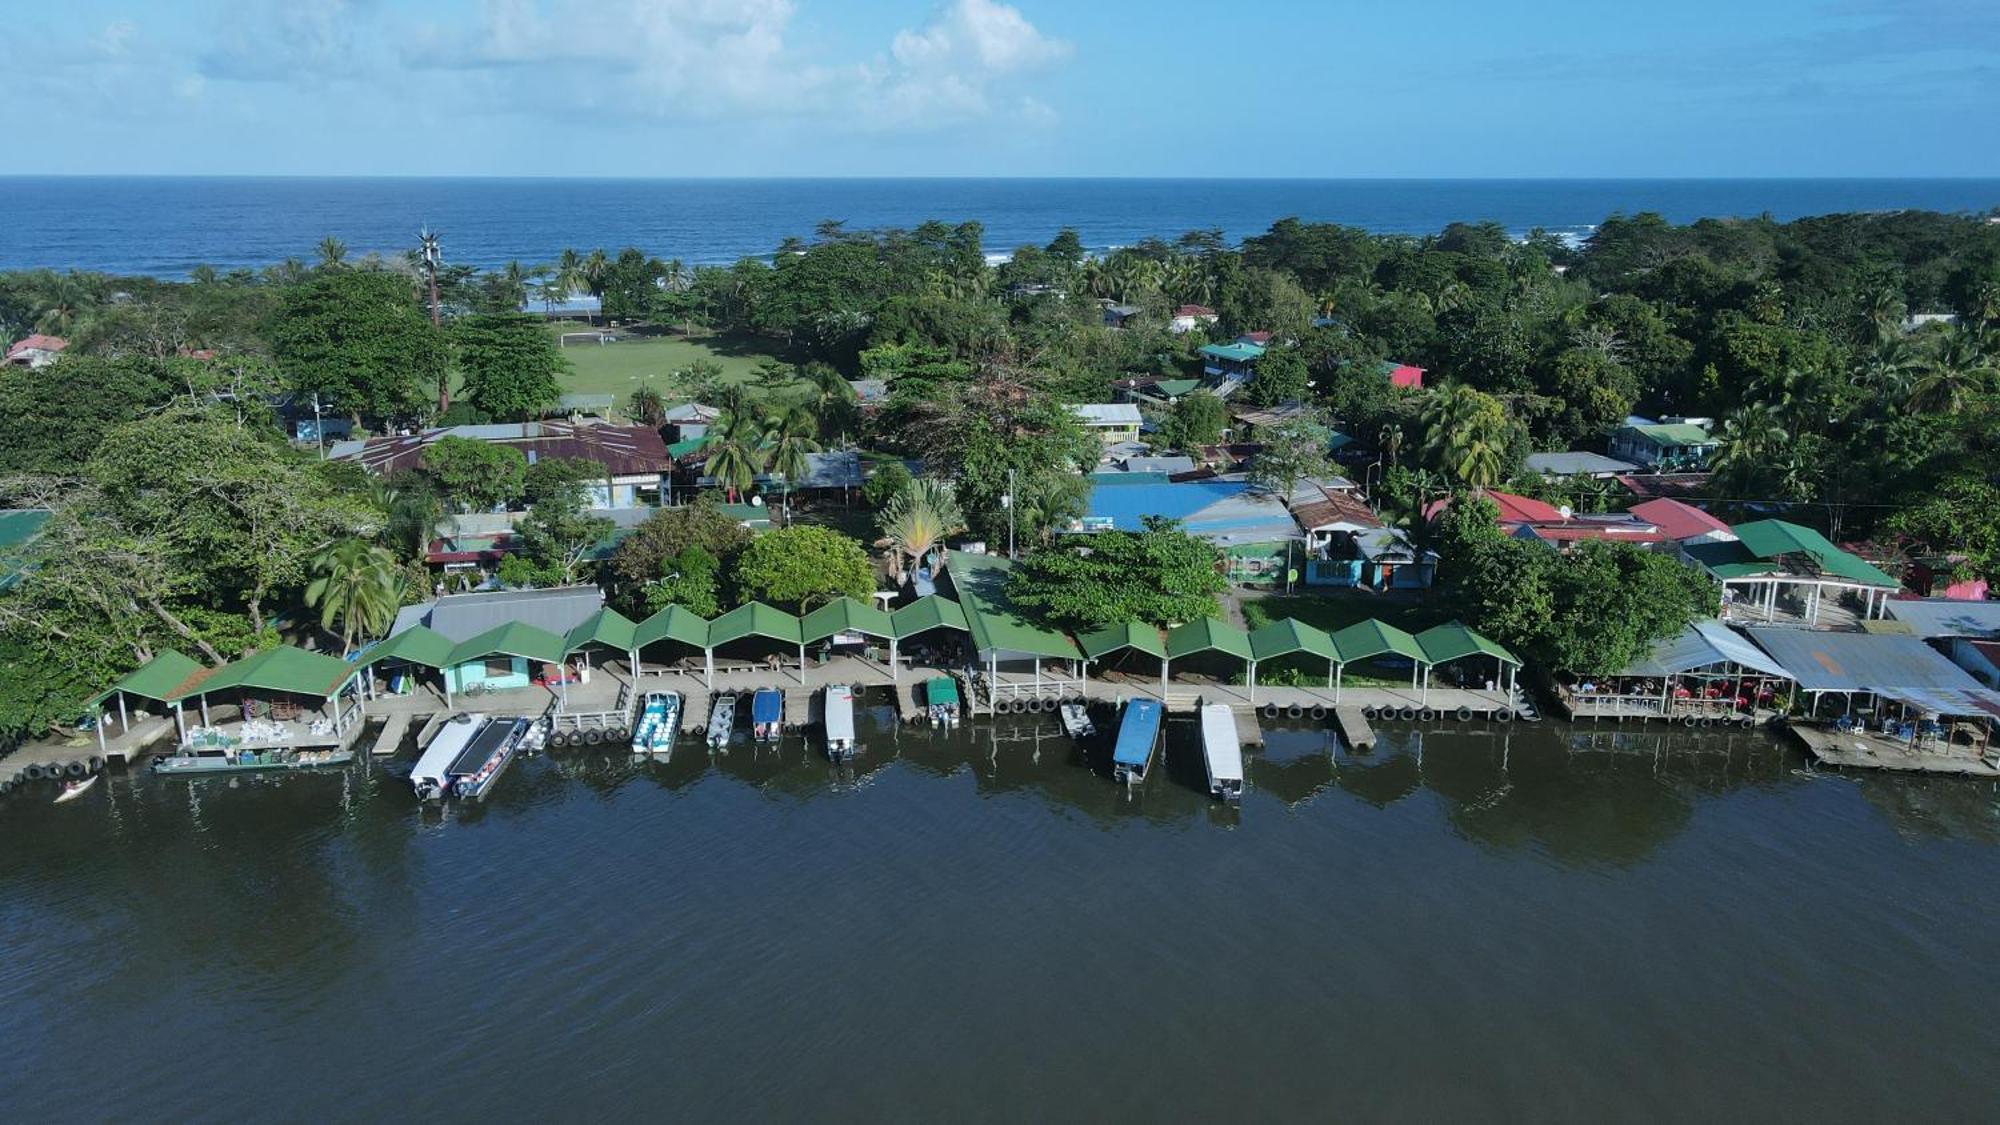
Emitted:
<point x="1526" y="923"/>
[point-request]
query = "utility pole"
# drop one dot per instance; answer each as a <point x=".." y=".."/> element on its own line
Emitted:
<point x="1007" y="502"/>
<point x="319" y="427"/>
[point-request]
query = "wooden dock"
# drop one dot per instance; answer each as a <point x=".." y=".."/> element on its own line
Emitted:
<point x="393" y="732"/>
<point x="1248" y="733"/>
<point x="798" y="708"/>
<point x="694" y="711"/>
<point x="1875" y="752"/>
<point x="1354" y="728"/>
<point x="907" y="707"/>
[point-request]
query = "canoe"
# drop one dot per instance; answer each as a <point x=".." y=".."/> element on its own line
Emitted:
<point x="75" y="789"/>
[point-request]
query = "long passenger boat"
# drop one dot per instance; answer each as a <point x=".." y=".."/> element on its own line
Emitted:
<point x="1138" y="734"/>
<point x="659" y="719"/>
<point x="1223" y="752"/>
<point x="467" y="756"/>
<point x="767" y="715"/>
<point x="215" y="759"/>
<point x="839" y="722"/>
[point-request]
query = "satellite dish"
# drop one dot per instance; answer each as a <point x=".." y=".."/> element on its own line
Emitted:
<point x="756" y="501"/>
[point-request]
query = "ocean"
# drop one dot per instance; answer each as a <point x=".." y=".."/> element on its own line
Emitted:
<point x="167" y="226"/>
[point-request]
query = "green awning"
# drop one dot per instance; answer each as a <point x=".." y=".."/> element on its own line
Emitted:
<point x="942" y="689"/>
<point x="1773" y="539"/>
<point x="1132" y="635"/>
<point x="997" y="628"/>
<point x="753" y="620"/>
<point x="1365" y="639"/>
<point x="1208" y="635"/>
<point x="283" y="668"/>
<point x="156" y="679"/>
<point x="674" y="623"/>
<point x="1455" y="641"/>
<point x="932" y="611"/>
<point x="512" y="639"/>
<point x="845" y="616"/>
<point x="605" y="627"/>
<point x="419" y="644"/>
<point x="1283" y="638"/>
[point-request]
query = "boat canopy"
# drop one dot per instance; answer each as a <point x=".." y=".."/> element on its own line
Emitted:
<point x="840" y="713"/>
<point x="1132" y="635"/>
<point x="1137" y="733"/>
<point x="845" y="616"/>
<point x="1209" y="635"/>
<point x="753" y="620"/>
<point x="674" y="623"/>
<point x="434" y="765"/>
<point x="943" y="689"/>
<point x="1219" y="743"/>
<point x="767" y="706"/>
<point x="419" y="644"/>
<point x="606" y="627"/>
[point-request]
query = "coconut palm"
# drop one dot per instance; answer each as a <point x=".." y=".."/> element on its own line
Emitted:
<point x="1964" y="365"/>
<point x="736" y="455"/>
<point x="647" y="407"/>
<point x="332" y="253"/>
<point x="1046" y="501"/>
<point x="919" y="518"/>
<point x="1390" y="440"/>
<point x="412" y="513"/>
<point x="1465" y="436"/>
<point x="357" y="585"/>
<point x="1748" y="444"/>
<point x="788" y="437"/>
<point x="1883" y="309"/>
<point x="833" y="400"/>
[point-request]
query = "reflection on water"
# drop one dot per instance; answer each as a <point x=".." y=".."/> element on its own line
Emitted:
<point x="1536" y="904"/>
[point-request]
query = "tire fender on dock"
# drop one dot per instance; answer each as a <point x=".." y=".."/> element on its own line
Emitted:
<point x="1465" y="714"/>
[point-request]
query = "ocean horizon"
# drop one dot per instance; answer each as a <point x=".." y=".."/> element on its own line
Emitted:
<point x="165" y="226"/>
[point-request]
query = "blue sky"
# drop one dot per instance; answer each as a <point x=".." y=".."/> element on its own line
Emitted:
<point x="979" y="87"/>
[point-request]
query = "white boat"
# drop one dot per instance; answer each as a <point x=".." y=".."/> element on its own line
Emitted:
<point x="1222" y="751"/>
<point x="839" y="722"/>
<point x="721" y="722"/>
<point x="658" y="720"/>
<point x="1076" y="720"/>
<point x="466" y="757"/>
<point x="71" y="790"/>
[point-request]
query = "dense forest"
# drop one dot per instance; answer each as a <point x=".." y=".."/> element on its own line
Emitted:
<point x="183" y="517"/>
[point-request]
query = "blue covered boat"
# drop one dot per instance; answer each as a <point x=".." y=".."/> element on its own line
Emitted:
<point x="767" y="714"/>
<point x="658" y="722"/>
<point x="1138" y="733"/>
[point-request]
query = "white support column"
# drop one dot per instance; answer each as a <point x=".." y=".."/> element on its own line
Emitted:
<point x="895" y="662"/>
<point x="124" y="720"/>
<point x="204" y="711"/>
<point x="802" y="663"/>
<point x="708" y="667"/>
<point x="180" y="723"/>
<point x="1038" y="677"/>
<point x="1337" y="670"/>
<point x="1252" y="676"/>
<point x="1163" y="680"/>
<point x="633" y="666"/>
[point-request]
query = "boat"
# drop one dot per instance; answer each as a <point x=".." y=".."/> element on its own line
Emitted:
<point x="467" y="756"/>
<point x="767" y="714"/>
<point x="1222" y="751"/>
<point x="225" y="759"/>
<point x="839" y="722"/>
<point x="721" y="722"/>
<point x="659" y="718"/>
<point x="1138" y="733"/>
<point x="941" y="699"/>
<point x="71" y="790"/>
<point x="1076" y="720"/>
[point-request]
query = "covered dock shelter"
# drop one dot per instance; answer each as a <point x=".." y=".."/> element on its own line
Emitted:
<point x="756" y="621"/>
<point x="1707" y="670"/>
<point x="1864" y="667"/>
<point x="1769" y="555"/>
<point x="172" y="678"/>
<point x="927" y="614"/>
<point x="1003" y="640"/>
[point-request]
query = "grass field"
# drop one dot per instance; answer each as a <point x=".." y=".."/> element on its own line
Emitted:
<point x="621" y="368"/>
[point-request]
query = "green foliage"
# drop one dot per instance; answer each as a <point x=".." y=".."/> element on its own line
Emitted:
<point x="1281" y="377"/>
<point x="691" y="579"/>
<point x="1293" y="450"/>
<point x="1961" y="518"/>
<point x="1466" y="437"/>
<point x="803" y="566"/>
<point x="557" y="539"/>
<point x="650" y="550"/>
<point x="889" y="480"/>
<point x="1197" y="419"/>
<point x="357" y="588"/>
<point x="360" y="339"/>
<point x="473" y="475"/>
<point x="510" y="367"/>
<point x="52" y="418"/>
<point x="1160" y="574"/>
<point x="558" y="478"/>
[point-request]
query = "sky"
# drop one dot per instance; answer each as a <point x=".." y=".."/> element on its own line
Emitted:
<point x="1168" y="88"/>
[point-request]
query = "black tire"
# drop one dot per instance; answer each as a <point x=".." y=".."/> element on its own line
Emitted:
<point x="1427" y="715"/>
<point x="96" y="763"/>
<point x="1707" y="722"/>
<point x="1748" y="722"/>
<point x="1044" y="706"/>
<point x="76" y="769"/>
<point x="1295" y="711"/>
<point x="621" y="735"/>
<point x="1270" y="710"/>
<point x="1505" y="715"/>
<point x="593" y="737"/>
<point x="1465" y="714"/>
<point x="1407" y="714"/>
<point x="1318" y="712"/>
<point x="1688" y="721"/>
<point x="38" y="772"/>
<point x="1370" y="713"/>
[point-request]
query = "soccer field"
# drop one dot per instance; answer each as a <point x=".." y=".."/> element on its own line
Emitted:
<point x="619" y="369"/>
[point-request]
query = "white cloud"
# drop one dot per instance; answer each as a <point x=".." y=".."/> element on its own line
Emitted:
<point x="293" y="41"/>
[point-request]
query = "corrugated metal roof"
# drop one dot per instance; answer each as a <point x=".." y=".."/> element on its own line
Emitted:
<point x="1576" y="463"/>
<point x="1701" y="645"/>
<point x="1860" y="661"/>
<point x="461" y="617"/>
<point x="1948" y="617"/>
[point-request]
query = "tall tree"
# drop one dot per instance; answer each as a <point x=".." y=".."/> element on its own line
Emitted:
<point x="1160" y="574"/>
<point x="357" y="588"/>
<point x="803" y="566"/>
<point x="511" y="368"/>
<point x="359" y="339"/>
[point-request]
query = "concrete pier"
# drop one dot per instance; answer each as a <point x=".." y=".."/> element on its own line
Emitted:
<point x="1354" y="728"/>
<point x="391" y="737"/>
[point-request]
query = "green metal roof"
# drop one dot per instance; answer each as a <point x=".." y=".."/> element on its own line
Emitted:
<point x="18" y="525"/>
<point x="283" y="668"/>
<point x="1283" y="638"/>
<point x="746" y="513"/>
<point x="1772" y="539"/>
<point x="845" y="616"/>
<point x="674" y="623"/>
<point x="1454" y="640"/>
<point x="419" y="644"/>
<point x="931" y="611"/>
<point x="1675" y="433"/>
<point x="512" y="639"/>
<point x="157" y="678"/>
<point x="605" y="627"/>
<point x="1236" y="353"/>
<point x="1364" y="639"/>
<point x="753" y="620"/>
<point x="1144" y="638"/>
<point x="981" y="581"/>
<point x="1175" y="388"/>
<point x="691" y="445"/>
<point x="1208" y="635"/>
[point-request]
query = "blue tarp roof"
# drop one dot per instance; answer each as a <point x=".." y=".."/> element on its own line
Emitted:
<point x="1125" y="504"/>
<point x="1137" y="732"/>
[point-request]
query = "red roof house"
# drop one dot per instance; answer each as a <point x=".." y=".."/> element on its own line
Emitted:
<point x="1404" y="375"/>
<point x="36" y="351"/>
<point x="1682" y="522"/>
<point x="1513" y="509"/>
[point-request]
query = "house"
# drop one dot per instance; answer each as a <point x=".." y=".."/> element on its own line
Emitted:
<point x="1565" y="534"/>
<point x="1111" y="421"/>
<point x="1152" y="390"/>
<point x="1404" y="375"/>
<point x="1664" y="445"/>
<point x="1648" y="486"/>
<point x="1768" y="558"/>
<point x="462" y="617"/>
<point x="690" y="420"/>
<point x="1253" y="529"/>
<point x="1947" y="618"/>
<point x="35" y="351"/>
<point x="1918" y="321"/>
<point x="1376" y="558"/>
<point x="583" y="406"/>
<point x="1156" y="468"/>
<point x="1187" y="318"/>
<point x="832" y="471"/>
<point x="1578" y="463"/>
<point x="1117" y="316"/>
<point x="1681" y="522"/>
<point x="1513" y="510"/>
<point x="634" y="459"/>
<point x="1229" y="366"/>
<point x="1322" y="511"/>
<point x="1255" y="339"/>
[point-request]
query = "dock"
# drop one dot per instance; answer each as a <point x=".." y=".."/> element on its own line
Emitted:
<point x="694" y="711"/>
<point x="907" y="707"/>
<point x="1354" y="728"/>
<point x="798" y="708"/>
<point x="393" y="733"/>
<point x="1248" y="733"/>
<point x="1860" y="750"/>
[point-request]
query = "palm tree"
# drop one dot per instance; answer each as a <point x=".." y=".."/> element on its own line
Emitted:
<point x="733" y="400"/>
<point x="1390" y="440"/>
<point x="61" y="299"/>
<point x="1046" y="501"/>
<point x="595" y="271"/>
<point x="332" y="253"/>
<point x="1465" y="436"/>
<point x="1884" y="310"/>
<point x="736" y="455"/>
<point x="788" y="437"/>
<point x="833" y="400"/>
<point x="919" y="518"/>
<point x="552" y="291"/>
<point x="647" y="407"/>
<point x="1961" y="367"/>
<point x="412" y="513"/>
<point x="357" y="585"/>
<point x="1748" y="444"/>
